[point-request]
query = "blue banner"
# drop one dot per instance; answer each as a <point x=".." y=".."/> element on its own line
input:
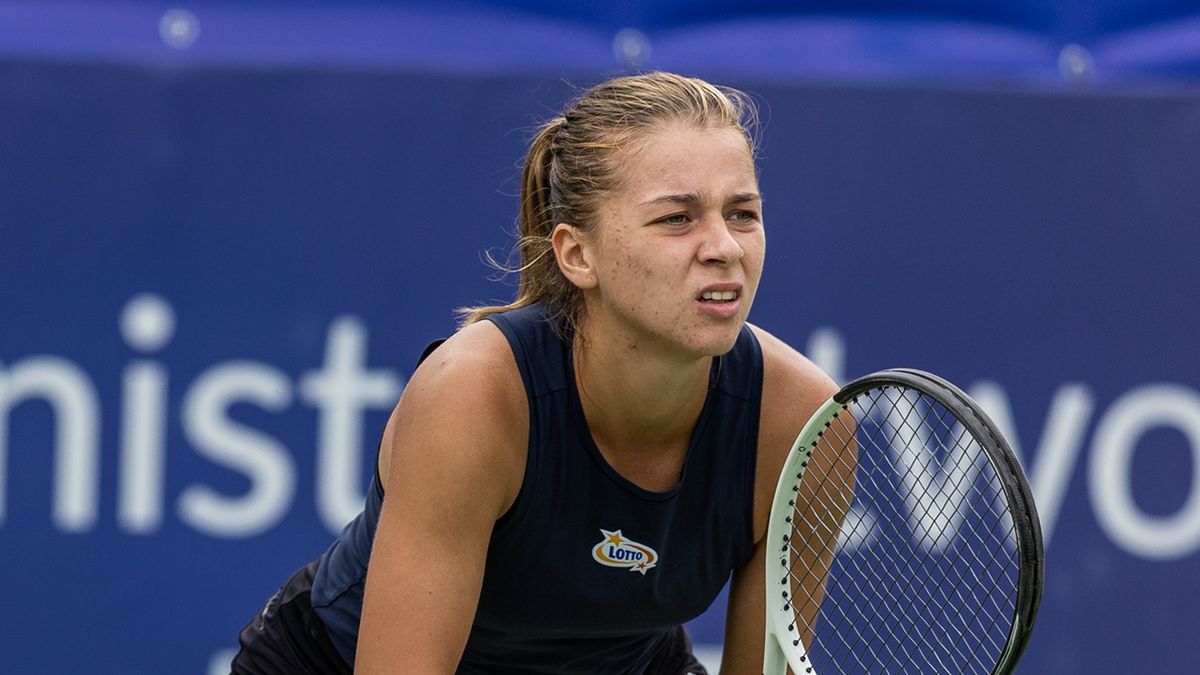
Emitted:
<point x="214" y="282"/>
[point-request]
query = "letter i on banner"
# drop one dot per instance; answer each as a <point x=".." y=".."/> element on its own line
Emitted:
<point x="147" y="324"/>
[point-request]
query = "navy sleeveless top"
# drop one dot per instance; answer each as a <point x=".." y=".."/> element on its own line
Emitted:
<point x="587" y="572"/>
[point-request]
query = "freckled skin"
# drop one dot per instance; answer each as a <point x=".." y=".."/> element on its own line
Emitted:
<point x="687" y="217"/>
<point x="650" y="273"/>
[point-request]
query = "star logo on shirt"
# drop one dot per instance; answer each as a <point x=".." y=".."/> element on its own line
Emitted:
<point x="617" y="550"/>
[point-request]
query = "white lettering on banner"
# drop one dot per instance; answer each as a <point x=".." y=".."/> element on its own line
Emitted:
<point x="343" y="389"/>
<point x="260" y="457"/>
<point x="76" y="408"/>
<point x="859" y="529"/>
<point x="932" y="488"/>
<point x="1131" y="416"/>
<point x="147" y="325"/>
<point x="1058" y="449"/>
<point x="827" y="349"/>
<point x="143" y="451"/>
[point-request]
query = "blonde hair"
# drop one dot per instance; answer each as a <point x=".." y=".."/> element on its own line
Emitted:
<point x="570" y="167"/>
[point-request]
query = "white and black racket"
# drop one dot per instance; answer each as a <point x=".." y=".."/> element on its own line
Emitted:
<point x="903" y="538"/>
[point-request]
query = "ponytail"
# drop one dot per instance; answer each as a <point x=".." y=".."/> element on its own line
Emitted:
<point x="538" y="269"/>
<point x="570" y="167"/>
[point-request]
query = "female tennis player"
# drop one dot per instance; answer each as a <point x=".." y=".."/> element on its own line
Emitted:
<point x="571" y="477"/>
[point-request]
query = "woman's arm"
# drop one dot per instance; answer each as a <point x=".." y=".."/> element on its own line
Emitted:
<point x="745" y="622"/>
<point x="454" y="457"/>
<point x="793" y="389"/>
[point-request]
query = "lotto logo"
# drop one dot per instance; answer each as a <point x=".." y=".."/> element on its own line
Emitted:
<point x="615" y="550"/>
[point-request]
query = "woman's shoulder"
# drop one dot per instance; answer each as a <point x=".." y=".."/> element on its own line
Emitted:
<point x="473" y="372"/>
<point x="789" y="374"/>
<point x="793" y="388"/>
<point x="465" y="403"/>
<point x="479" y="348"/>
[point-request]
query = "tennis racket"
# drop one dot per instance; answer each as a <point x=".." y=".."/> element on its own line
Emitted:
<point x="903" y="538"/>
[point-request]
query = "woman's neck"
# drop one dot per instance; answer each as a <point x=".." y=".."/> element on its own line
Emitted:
<point x="638" y="402"/>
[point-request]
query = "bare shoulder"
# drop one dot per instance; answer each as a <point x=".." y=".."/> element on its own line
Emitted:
<point x="791" y="382"/>
<point x="793" y="388"/>
<point x="478" y="359"/>
<point x="464" y="409"/>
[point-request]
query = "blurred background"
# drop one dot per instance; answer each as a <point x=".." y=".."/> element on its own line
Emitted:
<point x="227" y="229"/>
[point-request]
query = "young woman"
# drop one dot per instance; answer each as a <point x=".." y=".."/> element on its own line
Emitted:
<point x="571" y="477"/>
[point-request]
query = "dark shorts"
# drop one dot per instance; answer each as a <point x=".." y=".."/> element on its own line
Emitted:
<point x="288" y="638"/>
<point x="675" y="657"/>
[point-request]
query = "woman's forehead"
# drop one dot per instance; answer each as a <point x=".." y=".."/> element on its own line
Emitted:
<point x="687" y="160"/>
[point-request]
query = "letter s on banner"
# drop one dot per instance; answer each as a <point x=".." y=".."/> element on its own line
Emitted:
<point x="260" y="457"/>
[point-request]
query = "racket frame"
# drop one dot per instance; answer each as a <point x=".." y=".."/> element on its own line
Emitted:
<point x="782" y="646"/>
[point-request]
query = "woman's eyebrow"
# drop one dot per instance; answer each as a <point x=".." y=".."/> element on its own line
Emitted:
<point x="745" y="197"/>
<point x="689" y="198"/>
<point x="685" y="198"/>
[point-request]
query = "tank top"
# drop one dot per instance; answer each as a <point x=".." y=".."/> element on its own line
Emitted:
<point x="587" y="572"/>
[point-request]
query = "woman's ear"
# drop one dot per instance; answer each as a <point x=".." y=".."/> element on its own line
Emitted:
<point x="574" y="254"/>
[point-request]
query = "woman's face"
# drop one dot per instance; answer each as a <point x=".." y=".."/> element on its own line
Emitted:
<point x="678" y="247"/>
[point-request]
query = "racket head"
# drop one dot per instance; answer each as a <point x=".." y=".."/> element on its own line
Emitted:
<point x="903" y="537"/>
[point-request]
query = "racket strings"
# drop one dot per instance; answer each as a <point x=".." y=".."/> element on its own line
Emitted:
<point x="961" y="447"/>
<point x="883" y="645"/>
<point x="901" y="550"/>
<point x="958" y="474"/>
